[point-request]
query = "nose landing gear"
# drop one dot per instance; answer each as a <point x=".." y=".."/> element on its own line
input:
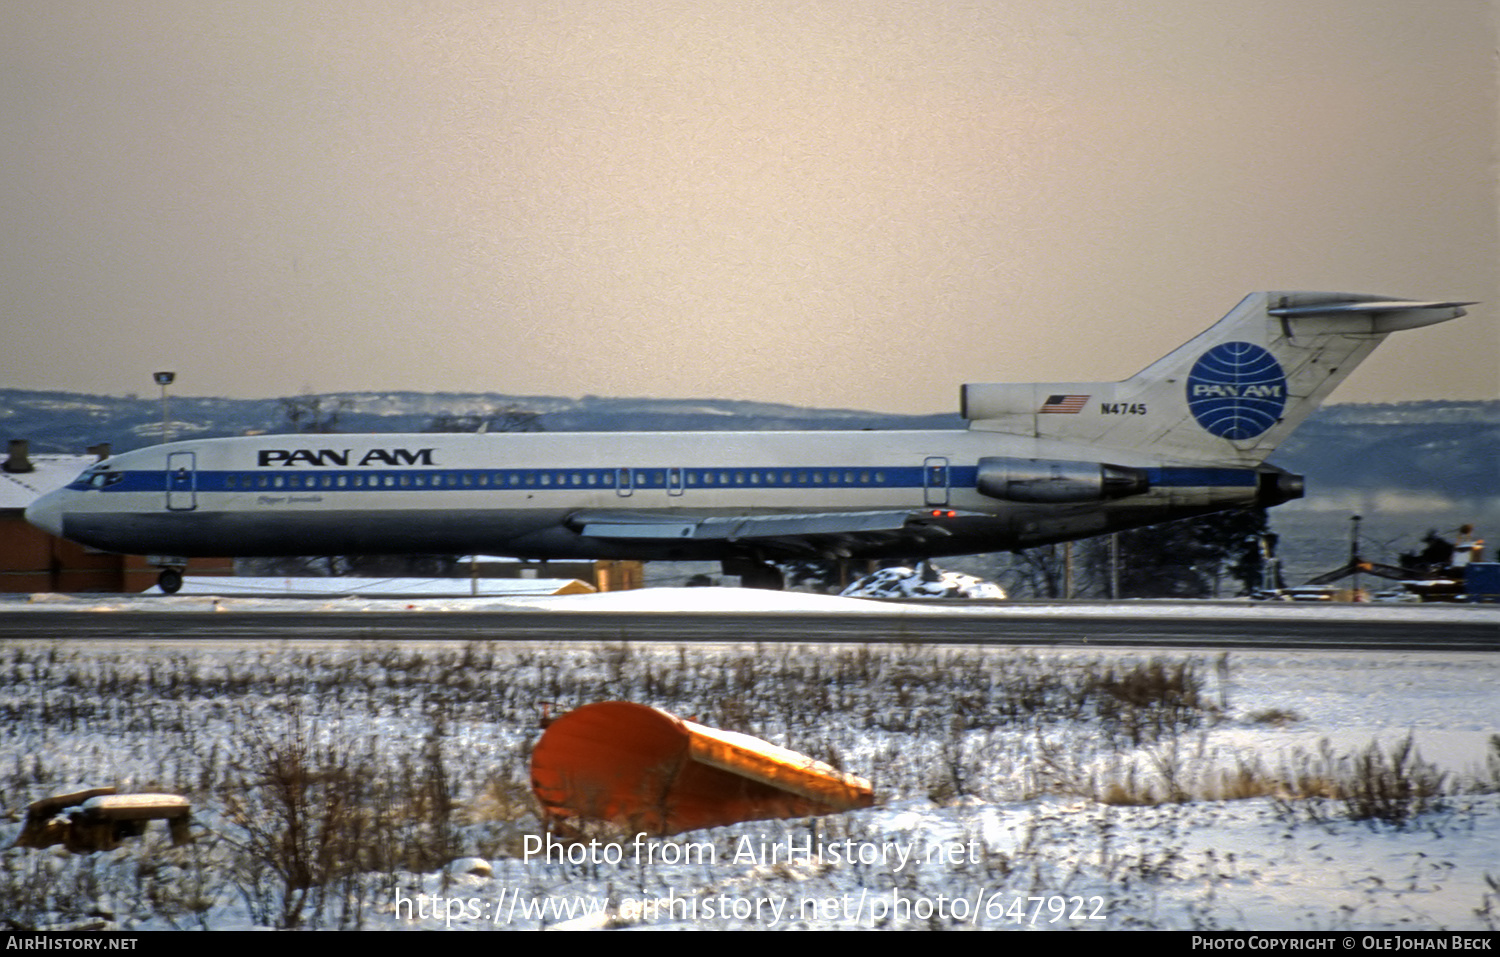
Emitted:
<point x="169" y="579"/>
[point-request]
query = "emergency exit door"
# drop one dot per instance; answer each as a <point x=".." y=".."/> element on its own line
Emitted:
<point x="935" y="480"/>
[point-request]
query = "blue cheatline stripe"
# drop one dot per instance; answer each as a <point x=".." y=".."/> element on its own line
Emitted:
<point x="1197" y="477"/>
<point x="641" y="479"/>
<point x="543" y="479"/>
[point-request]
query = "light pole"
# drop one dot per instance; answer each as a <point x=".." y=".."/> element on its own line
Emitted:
<point x="164" y="379"/>
<point x="1354" y="558"/>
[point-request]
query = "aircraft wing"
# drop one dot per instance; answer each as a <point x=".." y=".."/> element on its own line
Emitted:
<point x="826" y="534"/>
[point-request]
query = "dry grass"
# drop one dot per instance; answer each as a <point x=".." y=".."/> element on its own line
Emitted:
<point x="322" y="772"/>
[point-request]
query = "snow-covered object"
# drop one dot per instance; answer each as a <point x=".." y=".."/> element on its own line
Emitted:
<point x="924" y="581"/>
<point x="650" y="771"/>
<point x="474" y="866"/>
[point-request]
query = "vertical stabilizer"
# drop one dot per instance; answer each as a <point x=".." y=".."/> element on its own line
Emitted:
<point x="1231" y="394"/>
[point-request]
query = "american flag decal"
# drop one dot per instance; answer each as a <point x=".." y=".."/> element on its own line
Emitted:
<point x="1064" y="403"/>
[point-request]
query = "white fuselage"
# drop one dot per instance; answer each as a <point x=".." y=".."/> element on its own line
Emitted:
<point x="1039" y="463"/>
<point x="541" y="494"/>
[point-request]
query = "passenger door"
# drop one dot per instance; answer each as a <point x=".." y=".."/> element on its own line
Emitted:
<point x="182" y="481"/>
<point x="935" y="480"/>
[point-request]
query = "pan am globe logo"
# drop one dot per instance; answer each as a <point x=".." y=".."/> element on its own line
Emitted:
<point x="1236" y="390"/>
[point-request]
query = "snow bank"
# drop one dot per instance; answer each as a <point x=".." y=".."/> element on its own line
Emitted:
<point x="751" y="601"/>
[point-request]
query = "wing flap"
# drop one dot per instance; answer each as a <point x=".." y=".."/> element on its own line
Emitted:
<point x="735" y="528"/>
<point x="788" y="535"/>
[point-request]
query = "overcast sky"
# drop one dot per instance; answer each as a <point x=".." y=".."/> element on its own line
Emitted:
<point x="853" y="204"/>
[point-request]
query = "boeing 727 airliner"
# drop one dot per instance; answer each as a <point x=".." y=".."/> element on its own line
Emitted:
<point x="1038" y="463"/>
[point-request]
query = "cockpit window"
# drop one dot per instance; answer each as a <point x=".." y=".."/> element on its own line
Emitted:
<point x="98" y="476"/>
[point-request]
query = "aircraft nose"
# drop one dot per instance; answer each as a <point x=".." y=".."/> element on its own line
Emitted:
<point x="46" y="513"/>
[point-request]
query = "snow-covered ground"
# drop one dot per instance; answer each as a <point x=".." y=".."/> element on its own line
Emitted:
<point x="986" y="818"/>
<point x="733" y="600"/>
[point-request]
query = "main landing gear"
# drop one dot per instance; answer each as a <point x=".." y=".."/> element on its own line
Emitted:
<point x="754" y="574"/>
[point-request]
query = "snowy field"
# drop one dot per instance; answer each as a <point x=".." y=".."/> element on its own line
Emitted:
<point x="1040" y="789"/>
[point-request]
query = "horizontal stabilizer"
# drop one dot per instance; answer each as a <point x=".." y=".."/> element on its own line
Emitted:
<point x="1368" y="317"/>
<point x="1388" y="305"/>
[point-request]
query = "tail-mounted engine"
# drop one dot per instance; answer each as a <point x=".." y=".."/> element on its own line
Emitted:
<point x="1274" y="486"/>
<point x="1047" y="480"/>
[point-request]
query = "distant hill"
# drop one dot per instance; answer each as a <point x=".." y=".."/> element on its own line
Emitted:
<point x="1445" y="449"/>
<point x="70" y="422"/>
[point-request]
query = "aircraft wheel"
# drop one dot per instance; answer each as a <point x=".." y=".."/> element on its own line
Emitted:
<point x="170" y="580"/>
<point x="763" y="576"/>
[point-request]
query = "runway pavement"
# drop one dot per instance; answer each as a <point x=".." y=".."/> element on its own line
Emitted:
<point x="1053" y="625"/>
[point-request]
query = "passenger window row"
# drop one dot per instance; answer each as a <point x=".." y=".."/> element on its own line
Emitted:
<point x="619" y="478"/>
